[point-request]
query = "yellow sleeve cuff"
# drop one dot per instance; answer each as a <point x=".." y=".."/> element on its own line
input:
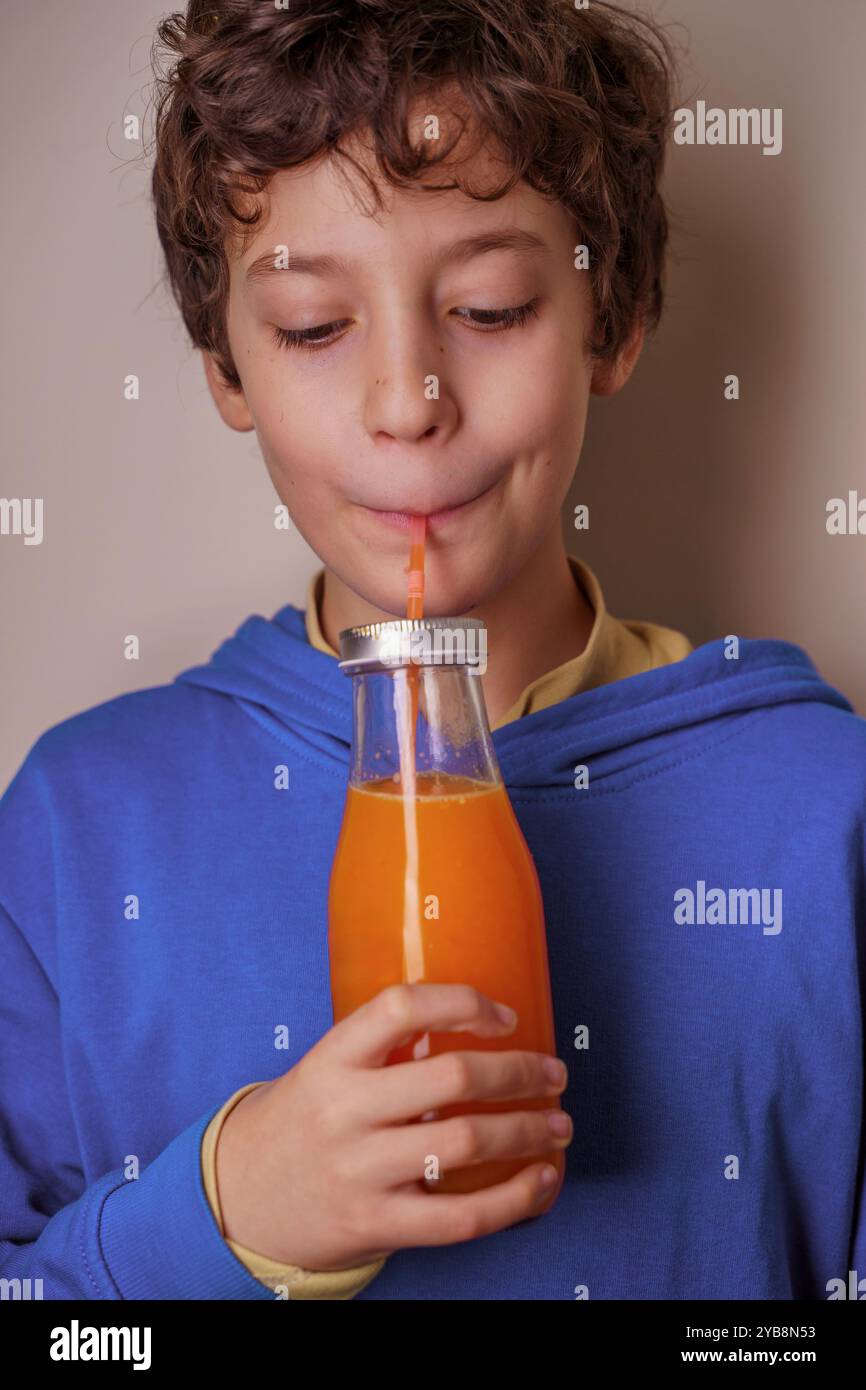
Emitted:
<point x="288" y="1281"/>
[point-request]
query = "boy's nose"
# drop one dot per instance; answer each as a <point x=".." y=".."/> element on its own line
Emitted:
<point x="403" y="411"/>
<point x="406" y="391"/>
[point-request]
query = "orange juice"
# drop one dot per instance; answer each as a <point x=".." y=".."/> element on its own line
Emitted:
<point x="440" y="887"/>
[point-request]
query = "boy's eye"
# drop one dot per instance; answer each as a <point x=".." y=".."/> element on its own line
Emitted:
<point x="487" y="321"/>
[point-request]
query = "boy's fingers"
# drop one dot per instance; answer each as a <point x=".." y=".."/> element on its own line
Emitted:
<point x="398" y="1155"/>
<point x="406" y="1090"/>
<point x="393" y="1016"/>
<point x="420" y="1218"/>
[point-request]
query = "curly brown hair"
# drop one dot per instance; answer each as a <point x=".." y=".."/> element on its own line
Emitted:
<point x="580" y="101"/>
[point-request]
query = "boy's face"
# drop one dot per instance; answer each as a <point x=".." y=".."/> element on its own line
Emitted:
<point x="415" y="398"/>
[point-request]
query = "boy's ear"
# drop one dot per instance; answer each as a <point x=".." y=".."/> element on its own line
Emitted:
<point x="611" y="375"/>
<point x="231" y="404"/>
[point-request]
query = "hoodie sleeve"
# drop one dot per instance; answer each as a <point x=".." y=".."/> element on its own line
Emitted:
<point x="299" y="1283"/>
<point x="152" y="1237"/>
<point x="113" y="1238"/>
<point x="857" y="1256"/>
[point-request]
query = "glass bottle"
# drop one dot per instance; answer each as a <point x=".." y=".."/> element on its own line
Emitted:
<point x="432" y="879"/>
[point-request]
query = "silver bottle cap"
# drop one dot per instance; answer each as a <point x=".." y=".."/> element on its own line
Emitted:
<point x="414" y="641"/>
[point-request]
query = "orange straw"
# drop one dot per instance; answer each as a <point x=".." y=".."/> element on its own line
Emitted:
<point x="414" y="968"/>
<point x="415" y="601"/>
<point x="415" y="609"/>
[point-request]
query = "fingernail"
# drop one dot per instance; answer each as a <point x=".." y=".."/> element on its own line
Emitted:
<point x="547" y="1176"/>
<point x="554" y="1070"/>
<point x="505" y="1014"/>
<point x="558" y="1123"/>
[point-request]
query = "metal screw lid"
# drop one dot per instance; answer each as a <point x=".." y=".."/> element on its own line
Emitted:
<point x="414" y="641"/>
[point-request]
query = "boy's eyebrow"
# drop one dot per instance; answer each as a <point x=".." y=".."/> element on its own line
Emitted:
<point x="324" y="264"/>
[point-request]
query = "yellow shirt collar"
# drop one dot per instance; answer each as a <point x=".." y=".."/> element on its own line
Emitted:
<point x="616" y="649"/>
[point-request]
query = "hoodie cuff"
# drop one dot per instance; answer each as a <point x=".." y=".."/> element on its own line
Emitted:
<point x="290" y="1281"/>
<point x="158" y="1237"/>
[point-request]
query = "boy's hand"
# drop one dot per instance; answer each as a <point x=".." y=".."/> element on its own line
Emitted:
<point x="320" y="1168"/>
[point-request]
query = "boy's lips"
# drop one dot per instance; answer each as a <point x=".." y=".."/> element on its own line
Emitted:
<point x="437" y="518"/>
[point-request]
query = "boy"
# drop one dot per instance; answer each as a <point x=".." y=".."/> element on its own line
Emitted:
<point x="696" y="816"/>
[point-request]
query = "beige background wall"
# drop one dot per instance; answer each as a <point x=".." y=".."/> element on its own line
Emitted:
<point x="705" y="514"/>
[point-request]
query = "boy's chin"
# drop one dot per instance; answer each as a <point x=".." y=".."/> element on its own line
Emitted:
<point x="454" y="585"/>
<point x="440" y="600"/>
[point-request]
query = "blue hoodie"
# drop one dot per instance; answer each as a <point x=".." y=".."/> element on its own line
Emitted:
<point x="163" y="908"/>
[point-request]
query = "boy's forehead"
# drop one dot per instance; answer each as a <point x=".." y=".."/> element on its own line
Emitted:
<point x="325" y="205"/>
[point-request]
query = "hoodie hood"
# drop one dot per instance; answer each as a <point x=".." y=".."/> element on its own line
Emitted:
<point x="299" y="693"/>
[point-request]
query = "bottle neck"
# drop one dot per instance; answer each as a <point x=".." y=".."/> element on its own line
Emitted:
<point x="452" y="733"/>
